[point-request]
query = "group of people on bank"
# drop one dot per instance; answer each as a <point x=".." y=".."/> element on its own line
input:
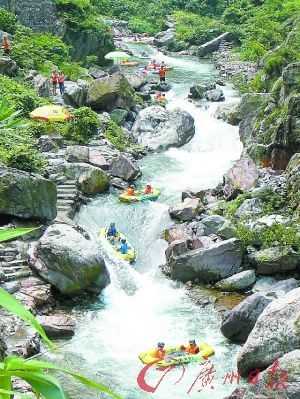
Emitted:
<point x="58" y="79"/>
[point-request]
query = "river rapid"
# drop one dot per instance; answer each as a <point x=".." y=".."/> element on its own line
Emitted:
<point x="141" y="306"/>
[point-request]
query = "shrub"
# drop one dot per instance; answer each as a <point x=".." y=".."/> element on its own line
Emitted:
<point x="19" y="95"/>
<point x="8" y="21"/>
<point x="116" y="136"/>
<point x="31" y="50"/>
<point x="83" y="126"/>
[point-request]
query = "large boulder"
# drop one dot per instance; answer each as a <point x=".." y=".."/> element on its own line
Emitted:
<point x="275" y="260"/>
<point x="241" y="177"/>
<point x="197" y="91"/>
<point x="41" y="85"/>
<point x="77" y="153"/>
<point x="279" y="380"/>
<point x="76" y="93"/>
<point x="26" y="195"/>
<point x="249" y="208"/>
<point x="240" y="321"/>
<point x="213" y="223"/>
<point x="96" y="158"/>
<point x="124" y="168"/>
<point x="8" y="66"/>
<point x="238" y="282"/>
<point x="215" y="95"/>
<point x="293" y="173"/>
<point x="276" y="333"/>
<point x="93" y="181"/>
<point x="213" y="45"/>
<point x="165" y="38"/>
<point x="110" y="92"/>
<point x="291" y="77"/>
<point x="69" y="261"/>
<point x="219" y="261"/>
<point x="159" y="129"/>
<point x="58" y="325"/>
<point x="187" y="210"/>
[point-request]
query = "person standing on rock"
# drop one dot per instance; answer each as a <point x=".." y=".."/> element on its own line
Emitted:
<point x="162" y="74"/>
<point x="61" y="83"/>
<point x="54" y="81"/>
<point x="6" y="44"/>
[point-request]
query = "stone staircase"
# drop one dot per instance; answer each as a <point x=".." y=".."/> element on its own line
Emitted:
<point x="67" y="195"/>
<point x="225" y="46"/>
<point x="13" y="265"/>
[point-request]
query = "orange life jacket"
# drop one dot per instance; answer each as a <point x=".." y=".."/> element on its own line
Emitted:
<point x="148" y="190"/>
<point x="6" y="43"/>
<point x="130" y="191"/>
<point x="192" y="350"/>
<point x="160" y="354"/>
<point x="162" y="72"/>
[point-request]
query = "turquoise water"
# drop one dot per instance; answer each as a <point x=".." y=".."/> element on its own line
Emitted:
<point x="141" y="306"/>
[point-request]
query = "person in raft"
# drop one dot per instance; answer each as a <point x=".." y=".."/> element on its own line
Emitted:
<point x="61" y="83"/>
<point x="54" y="81"/>
<point x="160" y="352"/>
<point x="123" y="247"/>
<point x="6" y="44"/>
<point x="162" y="74"/>
<point x="148" y="189"/>
<point x="112" y="232"/>
<point x="130" y="191"/>
<point x="192" y="348"/>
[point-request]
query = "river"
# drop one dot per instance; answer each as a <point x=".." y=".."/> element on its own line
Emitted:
<point x="141" y="306"/>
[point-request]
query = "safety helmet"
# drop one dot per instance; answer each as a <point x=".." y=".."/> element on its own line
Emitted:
<point x="123" y="240"/>
<point x="160" y="344"/>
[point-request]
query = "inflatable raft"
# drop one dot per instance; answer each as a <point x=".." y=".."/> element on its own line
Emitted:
<point x="174" y="356"/>
<point x="131" y="254"/>
<point x="129" y="63"/>
<point x="139" y="197"/>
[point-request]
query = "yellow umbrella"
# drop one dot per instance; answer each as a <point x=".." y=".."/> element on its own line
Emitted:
<point x="51" y="113"/>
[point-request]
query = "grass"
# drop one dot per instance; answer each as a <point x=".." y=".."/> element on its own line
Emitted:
<point x="11" y="233"/>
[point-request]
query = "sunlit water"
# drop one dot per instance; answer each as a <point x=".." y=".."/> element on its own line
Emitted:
<point x="141" y="307"/>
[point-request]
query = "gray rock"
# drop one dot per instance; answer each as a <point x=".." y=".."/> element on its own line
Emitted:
<point x="213" y="224"/>
<point x="212" y="264"/>
<point x="70" y="262"/>
<point x="238" y="323"/>
<point x="119" y="115"/>
<point x="93" y="181"/>
<point x="41" y="85"/>
<point x="77" y="153"/>
<point x="176" y="248"/>
<point x="238" y="393"/>
<point x="213" y="45"/>
<point x="123" y="167"/>
<point x="282" y="287"/>
<point x="97" y="73"/>
<point x="110" y="92"/>
<point x="187" y="210"/>
<point x="250" y="207"/>
<point x="242" y="177"/>
<point x="197" y="91"/>
<point x="165" y="38"/>
<point x="276" y="333"/>
<point x="58" y="325"/>
<point x="227" y="230"/>
<point x="76" y="93"/>
<point x="215" y="95"/>
<point x="238" y="282"/>
<point x="8" y="66"/>
<point x="291" y="77"/>
<point x="228" y="113"/>
<point x="26" y="195"/>
<point x="160" y="129"/>
<point x="97" y="159"/>
<point x="50" y="143"/>
<point x="275" y="260"/>
<point x="279" y="380"/>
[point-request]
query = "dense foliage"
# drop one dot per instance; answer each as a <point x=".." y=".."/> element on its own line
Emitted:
<point x="83" y="126"/>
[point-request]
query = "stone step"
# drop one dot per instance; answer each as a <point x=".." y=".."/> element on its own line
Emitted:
<point x="14" y="269"/>
<point x="65" y="195"/>
<point x="66" y="187"/>
<point x="8" y="251"/>
<point x="64" y="202"/>
<point x="19" y="275"/>
<point x="62" y="208"/>
<point x="13" y="263"/>
<point x="8" y="258"/>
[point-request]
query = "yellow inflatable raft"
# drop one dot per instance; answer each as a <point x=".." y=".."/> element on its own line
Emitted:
<point x="140" y="196"/>
<point x="175" y="356"/>
<point x="131" y="254"/>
